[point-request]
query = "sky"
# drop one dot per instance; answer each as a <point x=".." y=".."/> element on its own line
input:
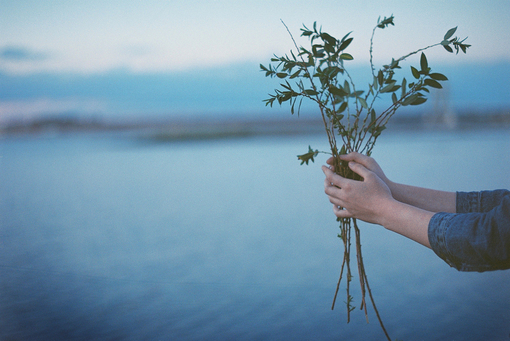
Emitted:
<point x="207" y="51"/>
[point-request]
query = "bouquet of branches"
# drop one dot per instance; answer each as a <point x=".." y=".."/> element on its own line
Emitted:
<point x="319" y="74"/>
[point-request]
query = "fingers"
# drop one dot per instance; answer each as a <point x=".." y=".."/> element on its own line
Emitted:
<point x="328" y="172"/>
<point x="355" y="156"/>
<point x="359" y="169"/>
<point x="332" y="177"/>
<point x="341" y="213"/>
<point x="333" y="193"/>
<point x="332" y="187"/>
<point x="338" y="180"/>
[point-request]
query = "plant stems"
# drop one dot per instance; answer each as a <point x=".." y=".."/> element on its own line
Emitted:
<point x="324" y="63"/>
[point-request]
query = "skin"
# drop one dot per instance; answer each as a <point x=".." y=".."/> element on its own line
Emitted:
<point x="400" y="208"/>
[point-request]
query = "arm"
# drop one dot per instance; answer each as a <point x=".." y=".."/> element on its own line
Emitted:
<point x="426" y="199"/>
<point x="370" y="200"/>
<point x="476" y="241"/>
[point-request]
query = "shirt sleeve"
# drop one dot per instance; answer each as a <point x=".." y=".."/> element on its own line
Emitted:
<point x="484" y="201"/>
<point x="477" y="237"/>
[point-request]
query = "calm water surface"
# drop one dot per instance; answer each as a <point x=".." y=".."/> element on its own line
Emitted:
<point x="117" y="238"/>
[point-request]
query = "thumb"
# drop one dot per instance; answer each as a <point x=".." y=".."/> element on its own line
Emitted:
<point x="359" y="169"/>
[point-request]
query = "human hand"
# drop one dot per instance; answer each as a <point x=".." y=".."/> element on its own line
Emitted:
<point x="367" y="161"/>
<point x="367" y="199"/>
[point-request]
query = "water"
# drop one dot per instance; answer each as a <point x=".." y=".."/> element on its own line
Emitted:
<point x="118" y="238"/>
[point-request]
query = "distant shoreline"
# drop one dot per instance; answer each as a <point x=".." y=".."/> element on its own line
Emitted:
<point x="208" y="128"/>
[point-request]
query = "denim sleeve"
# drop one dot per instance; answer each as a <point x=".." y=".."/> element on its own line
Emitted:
<point x="477" y="238"/>
<point x="484" y="201"/>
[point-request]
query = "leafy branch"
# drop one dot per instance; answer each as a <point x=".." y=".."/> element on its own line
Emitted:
<point x="318" y="73"/>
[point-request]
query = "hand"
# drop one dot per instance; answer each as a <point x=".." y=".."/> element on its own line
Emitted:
<point x="367" y="200"/>
<point x="367" y="161"/>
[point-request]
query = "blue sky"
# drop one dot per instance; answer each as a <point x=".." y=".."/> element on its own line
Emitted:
<point x="196" y="56"/>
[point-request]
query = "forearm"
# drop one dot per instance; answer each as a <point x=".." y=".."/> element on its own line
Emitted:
<point x="407" y="220"/>
<point x="427" y="199"/>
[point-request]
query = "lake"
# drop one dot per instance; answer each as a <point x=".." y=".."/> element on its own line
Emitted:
<point x="118" y="237"/>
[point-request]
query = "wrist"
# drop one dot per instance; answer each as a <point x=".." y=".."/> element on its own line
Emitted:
<point x="388" y="210"/>
<point x="407" y="220"/>
<point x="396" y="191"/>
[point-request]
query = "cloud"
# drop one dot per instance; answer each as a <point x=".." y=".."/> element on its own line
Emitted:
<point x="20" y="54"/>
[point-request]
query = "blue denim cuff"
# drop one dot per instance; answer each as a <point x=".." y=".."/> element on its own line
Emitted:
<point x="465" y="245"/>
<point x="483" y="201"/>
<point x="438" y="226"/>
<point x="468" y="202"/>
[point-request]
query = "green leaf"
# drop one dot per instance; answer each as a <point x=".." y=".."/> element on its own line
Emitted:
<point x="448" y="48"/>
<point x="338" y="117"/>
<point x="462" y="46"/>
<point x="385" y="22"/>
<point x="337" y="91"/>
<point x="380" y="77"/>
<point x="281" y="74"/>
<point x="310" y="92"/>
<point x="305" y="158"/>
<point x="346" y="56"/>
<point x="270" y="101"/>
<point x="438" y="76"/>
<point x="317" y="51"/>
<point x="377" y="131"/>
<point x="345" y="43"/>
<point x="286" y="85"/>
<point x="419" y="100"/>
<point x="332" y="71"/>
<point x="416" y="73"/>
<point x="404" y="87"/>
<point x="295" y="74"/>
<point x="375" y="85"/>
<point x="363" y="103"/>
<point x="329" y="48"/>
<point x="394" y="64"/>
<point x="306" y="33"/>
<point x="390" y="87"/>
<point x="410" y="99"/>
<point x="347" y="88"/>
<point x="342" y="107"/>
<point x="424" y="64"/>
<point x="433" y="83"/>
<point x="327" y="38"/>
<point x="394" y="98"/>
<point x="450" y="33"/>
